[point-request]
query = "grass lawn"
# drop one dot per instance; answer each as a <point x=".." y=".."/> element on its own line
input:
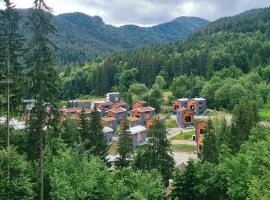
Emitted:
<point x="264" y="112"/>
<point x="183" y="136"/>
<point x="112" y="149"/>
<point x="171" y="123"/>
<point x="184" y="148"/>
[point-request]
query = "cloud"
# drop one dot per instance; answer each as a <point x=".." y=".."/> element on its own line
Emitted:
<point x="150" y="12"/>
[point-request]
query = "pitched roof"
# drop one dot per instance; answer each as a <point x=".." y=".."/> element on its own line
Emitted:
<point x="137" y="129"/>
<point x="108" y="119"/>
<point x="145" y="109"/>
<point x="117" y="110"/>
<point x="132" y="119"/>
<point x="183" y="99"/>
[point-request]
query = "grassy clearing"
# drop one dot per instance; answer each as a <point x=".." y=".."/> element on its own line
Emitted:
<point x="183" y="136"/>
<point x="113" y="149"/>
<point x="184" y="148"/>
<point x="171" y="123"/>
<point x="264" y="112"/>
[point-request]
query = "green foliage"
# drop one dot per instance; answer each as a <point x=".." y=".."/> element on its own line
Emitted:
<point x="97" y="143"/>
<point x="183" y="136"/>
<point x="72" y="175"/>
<point x="138" y="89"/>
<point x="157" y="153"/>
<point x="70" y="133"/>
<point x="171" y="123"/>
<point x="184" y="148"/>
<point x="245" y="118"/>
<point x="19" y="183"/>
<point x="138" y="185"/>
<point x="124" y="148"/>
<point x="210" y="145"/>
<point x="184" y="86"/>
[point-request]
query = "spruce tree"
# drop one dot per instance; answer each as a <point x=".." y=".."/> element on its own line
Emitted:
<point x="10" y="67"/>
<point x="97" y="143"/>
<point x="43" y="79"/>
<point x="157" y="152"/>
<point x="210" y="145"/>
<point x="84" y="126"/>
<point x="124" y="148"/>
<point x="245" y="117"/>
<point x="185" y="184"/>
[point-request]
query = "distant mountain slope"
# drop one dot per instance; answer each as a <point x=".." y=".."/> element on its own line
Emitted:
<point x="81" y="38"/>
<point x="249" y="21"/>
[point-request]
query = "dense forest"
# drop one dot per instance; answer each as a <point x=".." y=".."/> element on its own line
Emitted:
<point x="81" y="38"/>
<point x="211" y="50"/>
<point x="56" y="159"/>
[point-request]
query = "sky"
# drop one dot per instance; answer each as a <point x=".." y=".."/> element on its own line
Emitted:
<point x="149" y="12"/>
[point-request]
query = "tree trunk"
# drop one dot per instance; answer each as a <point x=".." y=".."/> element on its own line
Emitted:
<point x="41" y="164"/>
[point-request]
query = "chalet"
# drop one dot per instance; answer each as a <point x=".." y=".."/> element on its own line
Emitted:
<point x="185" y="117"/>
<point x="138" y="136"/>
<point x="200" y="130"/>
<point x="133" y="121"/>
<point x="179" y="103"/>
<point x="113" y="97"/>
<point x="103" y="107"/>
<point x="150" y="122"/>
<point x="109" y="122"/>
<point x="73" y="113"/>
<point x="118" y="113"/>
<point x="121" y="104"/>
<point x="198" y="105"/>
<point x="144" y="114"/>
<point x="80" y="104"/>
<point x="109" y="134"/>
<point x="139" y="104"/>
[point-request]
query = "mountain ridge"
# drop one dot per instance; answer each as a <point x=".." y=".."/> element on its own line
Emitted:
<point x="82" y="38"/>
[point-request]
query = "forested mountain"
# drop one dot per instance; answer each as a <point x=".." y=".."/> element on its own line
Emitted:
<point x="81" y="37"/>
<point x="224" y="43"/>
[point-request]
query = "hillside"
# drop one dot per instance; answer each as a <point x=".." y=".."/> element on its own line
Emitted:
<point x="216" y="47"/>
<point x="81" y="38"/>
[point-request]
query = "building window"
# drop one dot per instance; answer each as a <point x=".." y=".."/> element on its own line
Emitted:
<point x="202" y="131"/>
<point x="188" y="119"/>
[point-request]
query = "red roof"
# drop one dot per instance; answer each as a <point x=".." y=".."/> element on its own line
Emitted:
<point x="145" y="109"/>
<point x="117" y="110"/>
<point x="105" y="104"/>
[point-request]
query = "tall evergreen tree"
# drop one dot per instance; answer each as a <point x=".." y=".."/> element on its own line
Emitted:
<point x="10" y="55"/>
<point x="84" y="126"/>
<point x="245" y="117"/>
<point x="43" y="78"/>
<point x="185" y="183"/>
<point x="210" y="145"/>
<point x="124" y="146"/>
<point x="157" y="152"/>
<point x="97" y="143"/>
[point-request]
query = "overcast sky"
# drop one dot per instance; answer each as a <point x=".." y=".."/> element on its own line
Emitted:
<point x="150" y="12"/>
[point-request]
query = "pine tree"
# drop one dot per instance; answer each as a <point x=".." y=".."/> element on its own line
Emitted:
<point x="84" y="126"/>
<point x="10" y="67"/>
<point x="210" y="145"/>
<point x="245" y="117"/>
<point x="185" y="184"/>
<point x="124" y="147"/>
<point x="97" y="143"/>
<point x="43" y="78"/>
<point x="157" y="152"/>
